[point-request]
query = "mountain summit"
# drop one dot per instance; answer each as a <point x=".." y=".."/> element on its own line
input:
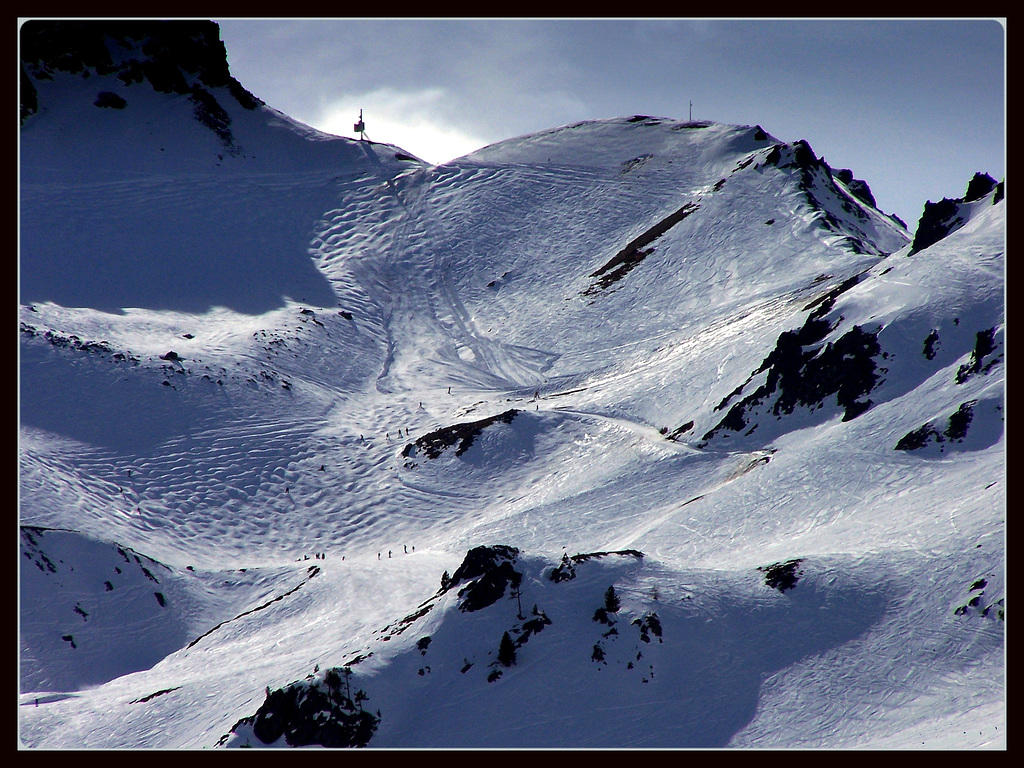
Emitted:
<point x="631" y="433"/>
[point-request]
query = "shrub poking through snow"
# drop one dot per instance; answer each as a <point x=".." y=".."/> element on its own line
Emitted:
<point x="984" y="346"/>
<point x="956" y="430"/>
<point x="648" y="625"/>
<point x="782" y="576"/>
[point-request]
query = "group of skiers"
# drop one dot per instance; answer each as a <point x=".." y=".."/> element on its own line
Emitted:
<point x="323" y="555"/>
<point x="405" y="549"/>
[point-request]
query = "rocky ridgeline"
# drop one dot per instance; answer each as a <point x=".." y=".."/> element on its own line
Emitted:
<point x="946" y="216"/>
<point x="802" y="373"/>
<point x="183" y="57"/>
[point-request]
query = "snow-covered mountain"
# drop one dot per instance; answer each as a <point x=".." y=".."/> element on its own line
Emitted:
<point x="631" y="433"/>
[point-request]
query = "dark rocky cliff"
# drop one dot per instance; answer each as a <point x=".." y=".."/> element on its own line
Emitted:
<point x="182" y="57"/>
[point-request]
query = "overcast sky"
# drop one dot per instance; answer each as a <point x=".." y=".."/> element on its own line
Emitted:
<point x="912" y="107"/>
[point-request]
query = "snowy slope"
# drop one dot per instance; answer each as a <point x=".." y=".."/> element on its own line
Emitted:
<point x="291" y="382"/>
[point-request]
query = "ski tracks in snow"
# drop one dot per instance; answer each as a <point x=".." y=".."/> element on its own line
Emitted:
<point x="204" y="493"/>
<point x="427" y="323"/>
<point x="746" y="463"/>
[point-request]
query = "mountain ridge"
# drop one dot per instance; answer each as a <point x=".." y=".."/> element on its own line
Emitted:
<point x="775" y="433"/>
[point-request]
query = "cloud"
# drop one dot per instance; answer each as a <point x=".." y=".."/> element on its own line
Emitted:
<point x="417" y="121"/>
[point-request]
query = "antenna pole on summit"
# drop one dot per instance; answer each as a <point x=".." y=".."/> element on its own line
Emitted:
<point x="360" y="127"/>
<point x="691" y="111"/>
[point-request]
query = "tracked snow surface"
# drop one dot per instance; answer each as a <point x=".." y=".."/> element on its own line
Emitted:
<point x="634" y="433"/>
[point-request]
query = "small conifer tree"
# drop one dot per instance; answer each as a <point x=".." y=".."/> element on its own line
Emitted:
<point x="514" y="582"/>
<point x="333" y="679"/>
<point x="506" y="651"/>
<point x="611" y="600"/>
<point x="360" y="697"/>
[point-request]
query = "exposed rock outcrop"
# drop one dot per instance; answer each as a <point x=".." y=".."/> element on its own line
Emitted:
<point x="313" y="713"/>
<point x="941" y="219"/>
<point x="185" y="57"/>
<point x="461" y="436"/>
<point x="486" y="572"/>
<point x="802" y="373"/>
